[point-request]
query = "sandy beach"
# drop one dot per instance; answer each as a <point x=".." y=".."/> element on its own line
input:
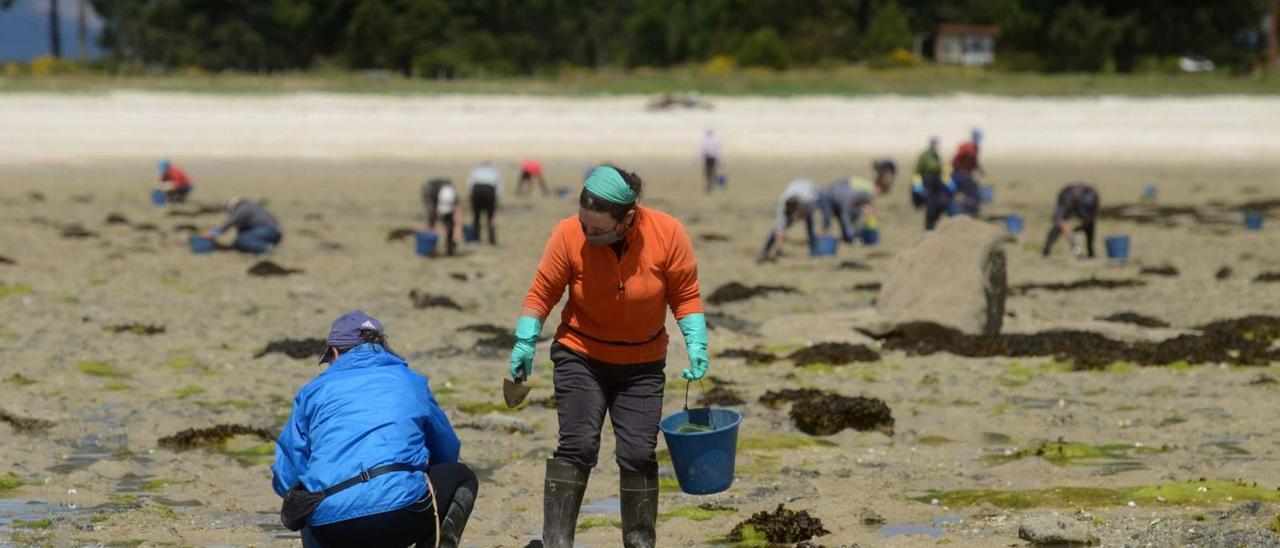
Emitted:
<point x="342" y="171"/>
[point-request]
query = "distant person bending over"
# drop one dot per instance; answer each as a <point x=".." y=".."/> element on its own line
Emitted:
<point x="849" y="200"/>
<point x="1075" y="201"/>
<point x="964" y="166"/>
<point x="710" y="158"/>
<point x="484" y="185"/>
<point x="178" y="182"/>
<point x="257" y="230"/>
<point x="446" y="210"/>
<point x="797" y="202"/>
<point x="430" y="200"/>
<point x="934" y="193"/>
<point x="530" y="171"/>
<point x="368" y="434"/>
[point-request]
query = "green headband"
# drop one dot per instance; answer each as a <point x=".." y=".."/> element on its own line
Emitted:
<point x="607" y="183"/>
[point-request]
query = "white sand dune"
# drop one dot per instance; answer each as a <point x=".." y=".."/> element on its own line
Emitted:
<point x="135" y="125"/>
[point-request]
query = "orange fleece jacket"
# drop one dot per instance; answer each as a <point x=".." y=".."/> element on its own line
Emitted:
<point x="618" y="301"/>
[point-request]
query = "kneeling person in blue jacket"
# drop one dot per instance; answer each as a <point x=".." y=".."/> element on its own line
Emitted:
<point x="370" y="418"/>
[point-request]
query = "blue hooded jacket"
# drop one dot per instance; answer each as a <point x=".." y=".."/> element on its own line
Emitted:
<point x="366" y="410"/>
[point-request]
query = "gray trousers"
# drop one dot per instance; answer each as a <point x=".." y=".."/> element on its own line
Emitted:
<point x="632" y="394"/>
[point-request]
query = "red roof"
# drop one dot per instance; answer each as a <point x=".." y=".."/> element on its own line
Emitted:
<point x="988" y="30"/>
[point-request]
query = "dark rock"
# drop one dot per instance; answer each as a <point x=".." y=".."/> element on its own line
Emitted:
<point x="868" y="286"/>
<point x="1135" y="319"/>
<point x="7" y="261"/>
<point x="753" y="357"/>
<point x="398" y="234"/>
<point x="1267" y="277"/>
<point x="136" y="328"/>
<point x="834" y="353"/>
<point x="25" y="425"/>
<point x="854" y="266"/>
<point x="782" y="526"/>
<point x="146" y="227"/>
<point x="296" y="348"/>
<point x="117" y="219"/>
<point x="1091" y="283"/>
<point x="268" y="268"/>
<point x="212" y="437"/>
<point x="713" y="237"/>
<point x="721" y="396"/>
<point x="421" y="299"/>
<point x="1223" y="273"/>
<point x="1162" y="270"/>
<point x="828" y="414"/>
<point x="77" y="232"/>
<point x="716" y="320"/>
<point x="734" y="291"/>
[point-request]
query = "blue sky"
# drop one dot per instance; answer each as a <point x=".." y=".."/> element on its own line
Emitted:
<point x="24" y="30"/>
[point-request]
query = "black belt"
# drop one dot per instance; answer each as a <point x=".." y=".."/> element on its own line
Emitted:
<point x="655" y="337"/>
<point x="366" y="475"/>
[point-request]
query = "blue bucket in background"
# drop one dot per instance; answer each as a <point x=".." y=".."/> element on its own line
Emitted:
<point x="1252" y="220"/>
<point x="1149" y="192"/>
<point x="722" y="181"/>
<point x="869" y="236"/>
<point x="200" y="245"/>
<point x="986" y="194"/>
<point x="703" y="460"/>
<point x="158" y="197"/>
<point x="469" y="234"/>
<point x="426" y="243"/>
<point x="563" y="192"/>
<point x="824" y="246"/>
<point x="1118" y="248"/>
<point x="1014" y="224"/>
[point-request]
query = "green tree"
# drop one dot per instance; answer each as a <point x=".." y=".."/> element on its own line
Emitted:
<point x="764" y="48"/>
<point x="369" y="34"/>
<point x="888" y="31"/>
<point x="1081" y="38"/>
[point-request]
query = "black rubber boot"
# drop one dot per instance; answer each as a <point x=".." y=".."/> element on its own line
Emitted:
<point x="561" y="500"/>
<point x="455" y="518"/>
<point x="639" y="498"/>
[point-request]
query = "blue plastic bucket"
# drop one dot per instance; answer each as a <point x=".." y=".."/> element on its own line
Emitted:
<point x="1252" y="220"/>
<point x="563" y="192"/>
<point x="722" y="181"/>
<point x="426" y="243"/>
<point x="1117" y="248"/>
<point x="825" y="246"/>
<point x="986" y="194"/>
<point x="869" y="236"/>
<point x="469" y="233"/>
<point x="158" y="197"/>
<point x="200" y="245"/>
<point x="703" y="461"/>
<point x="1149" y="192"/>
<point x="1014" y="224"/>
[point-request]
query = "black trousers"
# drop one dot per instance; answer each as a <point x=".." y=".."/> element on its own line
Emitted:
<point x="450" y="243"/>
<point x="1087" y="228"/>
<point x="709" y="165"/>
<point x="632" y="394"/>
<point x="414" y="524"/>
<point x="484" y="200"/>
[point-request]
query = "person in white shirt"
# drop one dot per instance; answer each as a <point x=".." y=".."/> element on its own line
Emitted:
<point x="484" y="185"/>
<point x="798" y="201"/>
<point x="711" y="158"/>
<point x="446" y="206"/>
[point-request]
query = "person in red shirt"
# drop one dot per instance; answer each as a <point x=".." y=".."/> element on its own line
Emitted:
<point x="531" y="170"/>
<point x="179" y="183"/>
<point x="624" y="266"/>
<point x="963" y="165"/>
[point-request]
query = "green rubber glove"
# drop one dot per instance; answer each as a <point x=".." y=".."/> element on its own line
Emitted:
<point x="694" y="328"/>
<point x="527" y="331"/>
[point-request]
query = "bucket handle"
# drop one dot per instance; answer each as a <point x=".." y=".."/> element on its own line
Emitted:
<point x="710" y="419"/>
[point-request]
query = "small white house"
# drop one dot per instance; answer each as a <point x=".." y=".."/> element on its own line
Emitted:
<point x="969" y="45"/>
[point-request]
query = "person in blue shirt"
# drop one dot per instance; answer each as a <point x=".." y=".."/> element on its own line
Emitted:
<point x="367" y="411"/>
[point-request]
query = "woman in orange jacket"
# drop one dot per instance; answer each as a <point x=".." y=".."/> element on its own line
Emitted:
<point x="624" y="265"/>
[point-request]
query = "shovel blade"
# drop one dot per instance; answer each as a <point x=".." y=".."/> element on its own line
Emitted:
<point x="514" y="392"/>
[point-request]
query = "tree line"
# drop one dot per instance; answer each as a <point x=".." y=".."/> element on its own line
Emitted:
<point x="461" y="38"/>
